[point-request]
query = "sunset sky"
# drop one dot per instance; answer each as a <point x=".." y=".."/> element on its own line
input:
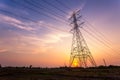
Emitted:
<point x="37" y="32"/>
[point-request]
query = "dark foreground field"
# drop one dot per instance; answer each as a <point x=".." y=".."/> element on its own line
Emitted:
<point x="100" y="73"/>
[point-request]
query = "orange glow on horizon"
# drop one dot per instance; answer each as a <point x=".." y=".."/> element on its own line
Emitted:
<point x="75" y="64"/>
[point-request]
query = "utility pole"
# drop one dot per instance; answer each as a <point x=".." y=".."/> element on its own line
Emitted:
<point x="104" y="62"/>
<point x="80" y="53"/>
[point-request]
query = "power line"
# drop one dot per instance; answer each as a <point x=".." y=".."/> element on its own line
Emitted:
<point x="44" y="7"/>
<point x="101" y="35"/>
<point x="23" y="17"/>
<point x="48" y="15"/>
<point x="100" y="41"/>
<point x="29" y="19"/>
<point x="97" y="43"/>
<point x="53" y="14"/>
<point x="55" y="7"/>
<point x="95" y="37"/>
<point x="98" y="35"/>
<point x="61" y="3"/>
<point x="15" y="15"/>
<point x="36" y="6"/>
<point x="97" y="31"/>
<point x="38" y="12"/>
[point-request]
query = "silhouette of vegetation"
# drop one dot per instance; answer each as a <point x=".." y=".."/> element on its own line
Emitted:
<point x="0" y="66"/>
<point x="62" y="73"/>
<point x="30" y="66"/>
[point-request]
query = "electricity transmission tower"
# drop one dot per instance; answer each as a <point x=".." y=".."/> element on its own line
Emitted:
<point x="80" y="53"/>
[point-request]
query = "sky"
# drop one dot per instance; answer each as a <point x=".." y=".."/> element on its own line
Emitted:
<point x="37" y="32"/>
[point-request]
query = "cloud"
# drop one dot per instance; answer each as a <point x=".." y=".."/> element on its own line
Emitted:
<point x="31" y="43"/>
<point x="3" y="50"/>
<point x="55" y="37"/>
<point x="16" y="23"/>
<point x="28" y="26"/>
<point x="52" y="27"/>
<point x="2" y="5"/>
<point x="52" y="37"/>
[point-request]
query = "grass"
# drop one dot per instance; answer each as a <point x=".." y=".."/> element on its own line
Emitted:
<point x="63" y="73"/>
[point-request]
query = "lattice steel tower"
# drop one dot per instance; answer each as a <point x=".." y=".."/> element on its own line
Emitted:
<point x="80" y="53"/>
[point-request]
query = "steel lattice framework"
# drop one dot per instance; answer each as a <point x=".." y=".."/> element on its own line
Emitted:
<point x="80" y="52"/>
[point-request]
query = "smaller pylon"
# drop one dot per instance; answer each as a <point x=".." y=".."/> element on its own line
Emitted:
<point x="104" y="62"/>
